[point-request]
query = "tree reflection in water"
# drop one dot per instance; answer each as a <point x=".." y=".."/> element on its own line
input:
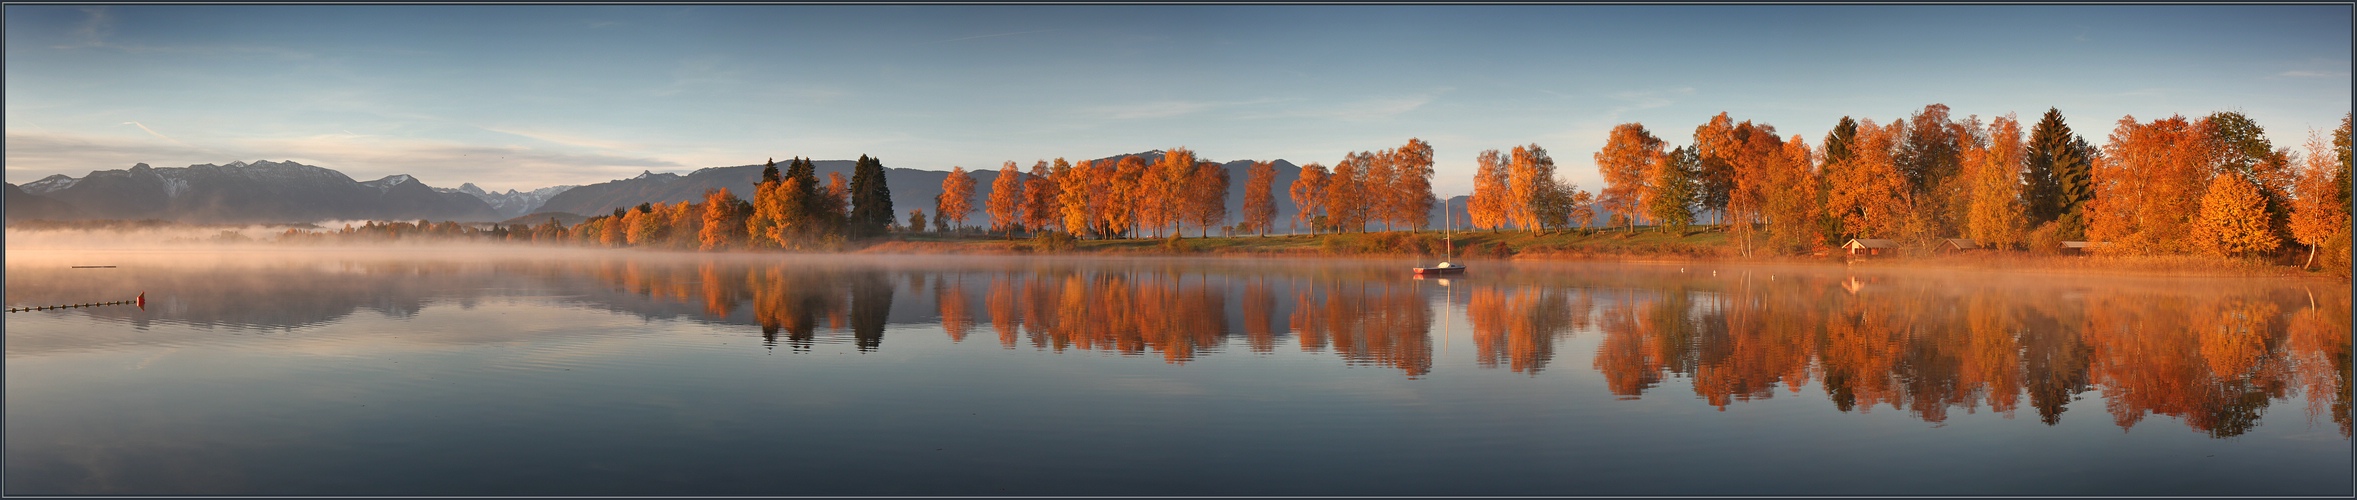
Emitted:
<point x="2214" y="358"/>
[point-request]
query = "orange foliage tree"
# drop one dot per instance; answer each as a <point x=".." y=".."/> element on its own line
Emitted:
<point x="2317" y="217"/>
<point x="957" y="197"/>
<point x="1487" y="205"/>
<point x="2234" y="219"/>
<point x="1412" y="183"/>
<point x="1260" y="208"/>
<point x="1530" y="179"/>
<point x="1042" y="194"/>
<point x="1865" y="191"/>
<point x="1346" y="198"/>
<point x="1207" y="196"/>
<point x="1998" y="212"/>
<point x="1309" y="196"/>
<point x="1629" y="152"/>
<point x="2147" y="186"/>
<point x="1006" y="200"/>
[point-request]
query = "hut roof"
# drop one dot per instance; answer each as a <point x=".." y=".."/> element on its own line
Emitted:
<point x="1870" y="243"/>
<point x="1959" y="243"/>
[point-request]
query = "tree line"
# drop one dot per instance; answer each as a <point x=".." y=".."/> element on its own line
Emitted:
<point x="2211" y="185"/>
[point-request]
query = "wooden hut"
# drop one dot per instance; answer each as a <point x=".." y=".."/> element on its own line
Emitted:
<point x="1957" y="245"/>
<point x="1864" y="246"/>
<point x="2081" y="247"/>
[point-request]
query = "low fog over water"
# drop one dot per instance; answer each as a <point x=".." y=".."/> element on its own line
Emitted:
<point x="666" y="373"/>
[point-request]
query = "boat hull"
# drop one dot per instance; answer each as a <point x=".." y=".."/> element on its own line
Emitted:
<point x="1440" y="270"/>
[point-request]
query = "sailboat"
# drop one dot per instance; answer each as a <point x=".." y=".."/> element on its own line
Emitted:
<point x="1445" y="267"/>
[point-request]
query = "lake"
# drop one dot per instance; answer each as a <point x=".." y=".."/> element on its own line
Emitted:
<point x="538" y="371"/>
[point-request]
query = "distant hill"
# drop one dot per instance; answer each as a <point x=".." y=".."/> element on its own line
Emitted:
<point x="912" y="189"/>
<point x="27" y="206"/>
<point x="262" y="191"/>
<point x="511" y="203"/>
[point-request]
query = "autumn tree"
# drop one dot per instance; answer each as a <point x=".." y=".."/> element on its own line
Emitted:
<point x="2234" y="219"/>
<point x="1006" y="200"/>
<point x="811" y="211"/>
<point x="1309" y="195"/>
<point x="1583" y="208"/>
<point x="1714" y="150"/>
<point x="1412" y="183"/>
<point x="871" y="198"/>
<point x="2317" y="216"/>
<point x="1792" y="202"/>
<point x="1866" y="190"/>
<point x="1629" y="153"/>
<point x="2239" y="146"/>
<point x="1260" y="208"/>
<point x="1042" y="194"/>
<point x="771" y="222"/>
<point x="1346" y="199"/>
<point x="1383" y="201"/>
<point x="1997" y="213"/>
<point x="724" y="226"/>
<point x="1530" y="177"/>
<point x="1080" y="187"/>
<point x="1207" y="196"/>
<point x="916" y="221"/>
<point x="1673" y="190"/>
<point x="1163" y="196"/>
<point x="2148" y="186"/>
<point x="957" y="197"/>
<point x="1487" y="205"/>
<point x="1128" y="193"/>
<point x="1929" y="157"/>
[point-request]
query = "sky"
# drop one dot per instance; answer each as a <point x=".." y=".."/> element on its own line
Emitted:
<point x="528" y="96"/>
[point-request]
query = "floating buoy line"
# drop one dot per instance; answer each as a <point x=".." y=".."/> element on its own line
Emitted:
<point x="141" y="301"/>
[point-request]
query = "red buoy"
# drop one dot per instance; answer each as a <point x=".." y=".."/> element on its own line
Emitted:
<point x="143" y="300"/>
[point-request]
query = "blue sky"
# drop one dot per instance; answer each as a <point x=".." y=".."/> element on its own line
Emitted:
<point x="530" y="96"/>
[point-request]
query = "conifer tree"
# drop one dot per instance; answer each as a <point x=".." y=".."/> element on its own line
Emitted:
<point x="871" y="198"/>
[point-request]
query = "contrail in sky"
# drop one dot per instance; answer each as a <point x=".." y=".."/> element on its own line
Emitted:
<point x="152" y="132"/>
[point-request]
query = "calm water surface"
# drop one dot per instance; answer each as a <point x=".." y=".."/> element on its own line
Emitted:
<point x="537" y="372"/>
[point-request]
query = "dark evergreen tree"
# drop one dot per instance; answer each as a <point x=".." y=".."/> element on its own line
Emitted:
<point x="871" y="199"/>
<point x="1837" y="152"/>
<point x="2055" y="175"/>
<point x="769" y="172"/>
<point x="817" y="215"/>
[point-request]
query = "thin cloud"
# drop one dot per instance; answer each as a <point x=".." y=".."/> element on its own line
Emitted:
<point x="567" y="140"/>
<point x="1158" y="109"/>
<point x="2302" y="73"/>
<point x="985" y="36"/>
<point x="1370" y="109"/>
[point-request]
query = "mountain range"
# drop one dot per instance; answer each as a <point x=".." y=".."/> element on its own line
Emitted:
<point x="265" y="191"/>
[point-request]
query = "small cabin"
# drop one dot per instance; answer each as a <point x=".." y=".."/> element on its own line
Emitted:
<point x="1957" y="245"/>
<point x="1864" y="246"/>
<point x="2081" y="247"/>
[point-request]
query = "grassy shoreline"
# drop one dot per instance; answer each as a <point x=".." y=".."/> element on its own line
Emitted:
<point x="1604" y="246"/>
